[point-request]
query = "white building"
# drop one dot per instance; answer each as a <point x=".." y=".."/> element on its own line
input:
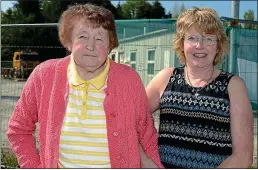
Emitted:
<point x="148" y="52"/>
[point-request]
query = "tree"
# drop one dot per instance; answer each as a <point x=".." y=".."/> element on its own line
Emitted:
<point x="175" y="10"/>
<point x="108" y="5"/>
<point x="157" y="11"/>
<point x="38" y="11"/>
<point x="168" y="15"/>
<point x="145" y="10"/>
<point x="182" y="8"/>
<point x="249" y="15"/>
<point x="14" y="36"/>
<point x="130" y="9"/>
<point x="119" y="11"/>
<point x="133" y="9"/>
<point x="28" y="36"/>
<point x="29" y="7"/>
<point x="52" y="9"/>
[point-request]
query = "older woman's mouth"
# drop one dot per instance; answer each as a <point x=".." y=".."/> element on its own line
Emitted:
<point x="90" y="56"/>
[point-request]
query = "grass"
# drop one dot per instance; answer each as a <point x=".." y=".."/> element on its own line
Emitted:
<point x="8" y="160"/>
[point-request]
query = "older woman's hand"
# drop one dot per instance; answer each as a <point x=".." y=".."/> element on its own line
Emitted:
<point x="146" y="162"/>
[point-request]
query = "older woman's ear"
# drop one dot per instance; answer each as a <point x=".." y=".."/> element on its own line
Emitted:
<point x="69" y="47"/>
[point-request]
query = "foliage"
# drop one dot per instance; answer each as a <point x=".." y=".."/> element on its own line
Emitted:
<point x="133" y="9"/>
<point x="31" y="36"/>
<point x="49" y="11"/>
<point x="12" y="36"/>
<point x="30" y="7"/>
<point x="157" y="11"/>
<point x="8" y="160"/>
<point x="249" y="15"/>
<point x="177" y="9"/>
<point x="119" y="11"/>
<point x="141" y="9"/>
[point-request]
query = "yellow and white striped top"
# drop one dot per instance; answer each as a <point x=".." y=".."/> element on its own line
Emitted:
<point x="83" y="141"/>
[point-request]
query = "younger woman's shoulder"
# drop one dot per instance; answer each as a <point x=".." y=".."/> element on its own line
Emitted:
<point x="162" y="76"/>
<point x="167" y="71"/>
<point x="236" y="81"/>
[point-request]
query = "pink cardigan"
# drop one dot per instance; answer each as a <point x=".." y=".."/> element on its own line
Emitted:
<point x="44" y="100"/>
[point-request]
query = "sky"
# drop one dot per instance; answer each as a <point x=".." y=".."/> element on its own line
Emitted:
<point x="222" y="7"/>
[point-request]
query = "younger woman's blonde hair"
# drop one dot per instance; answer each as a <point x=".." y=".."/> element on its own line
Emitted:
<point x="205" y="20"/>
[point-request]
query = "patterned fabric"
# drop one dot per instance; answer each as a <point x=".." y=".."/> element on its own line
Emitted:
<point x="194" y="129"/>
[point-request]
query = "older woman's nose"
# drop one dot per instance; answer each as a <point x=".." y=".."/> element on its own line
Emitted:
<point x="90" y="44"/>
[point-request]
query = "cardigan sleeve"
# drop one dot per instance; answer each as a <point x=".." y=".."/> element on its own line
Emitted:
<point x="21" y="126"/>
<point x="146" y="130"/>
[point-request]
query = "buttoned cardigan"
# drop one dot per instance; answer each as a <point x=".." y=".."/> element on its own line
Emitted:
<point x="44" y="99"/>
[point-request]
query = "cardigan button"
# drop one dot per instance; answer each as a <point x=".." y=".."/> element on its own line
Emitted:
<point x="113" y="114"/>
<point x="120" y="158"/>
<point x="115" y="133"/>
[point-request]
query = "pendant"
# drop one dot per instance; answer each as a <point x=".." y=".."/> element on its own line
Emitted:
<point x="196" y="95"/>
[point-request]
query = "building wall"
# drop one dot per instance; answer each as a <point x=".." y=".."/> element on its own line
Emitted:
<point x="164" y="54"/>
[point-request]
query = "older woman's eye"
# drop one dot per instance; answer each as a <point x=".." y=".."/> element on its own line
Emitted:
<point x="98" y="39"/>
<point x="83" y="37"/>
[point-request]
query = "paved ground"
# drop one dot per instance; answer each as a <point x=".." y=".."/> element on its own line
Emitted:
<point x="11" y="91"/>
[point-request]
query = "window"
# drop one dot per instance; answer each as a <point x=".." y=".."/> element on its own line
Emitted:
<point x="151" y="54"/>
<point x="113" y="57"/>
<point x="133" y="59"/>
<point x="133" y="66"/>
<point x="133" y="56"/>
<point x="150" y="68"/>
<point x="121" y="57"/>
<point x="151" y="60"/>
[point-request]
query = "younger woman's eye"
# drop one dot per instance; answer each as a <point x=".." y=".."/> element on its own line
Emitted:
<point x="191" y="38"/>
<point x="209" y="38"/>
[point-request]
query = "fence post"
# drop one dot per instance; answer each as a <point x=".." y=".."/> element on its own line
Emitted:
<point x="232" y="61"/>
<point x="0" y="94"/>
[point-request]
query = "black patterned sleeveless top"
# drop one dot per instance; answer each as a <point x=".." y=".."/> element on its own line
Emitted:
<point x="194" y="130"/>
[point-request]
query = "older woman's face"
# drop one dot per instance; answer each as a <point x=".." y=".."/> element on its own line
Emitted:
<point x="199" y="49"/>
<point x="89" y="47"/>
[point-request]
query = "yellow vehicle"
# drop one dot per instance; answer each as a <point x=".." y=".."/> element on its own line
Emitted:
<point x="23" y="65"/>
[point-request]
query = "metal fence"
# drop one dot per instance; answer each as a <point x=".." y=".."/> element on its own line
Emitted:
<point x="138" y="39"/>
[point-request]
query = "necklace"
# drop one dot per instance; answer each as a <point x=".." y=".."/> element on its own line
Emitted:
<point x="196" y="91"/>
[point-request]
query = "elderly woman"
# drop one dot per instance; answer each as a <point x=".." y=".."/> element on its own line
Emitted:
<point x="206" y="117"/>
<point x="91" y="111"/>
